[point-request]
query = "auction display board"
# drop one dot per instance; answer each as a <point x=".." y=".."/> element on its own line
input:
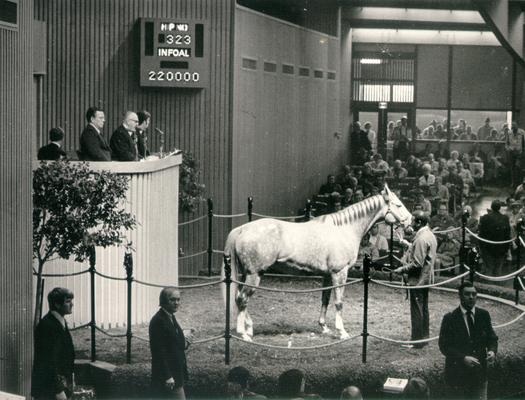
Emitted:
<point x="174" y="53"/>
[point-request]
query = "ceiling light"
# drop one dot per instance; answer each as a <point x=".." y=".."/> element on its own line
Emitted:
<point x="371" y="61"/>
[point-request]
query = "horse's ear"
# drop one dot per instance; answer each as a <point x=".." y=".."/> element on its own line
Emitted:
<point x="386" y="193"/>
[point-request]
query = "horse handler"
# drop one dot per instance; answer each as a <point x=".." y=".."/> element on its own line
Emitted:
<point x="420" y="271"/>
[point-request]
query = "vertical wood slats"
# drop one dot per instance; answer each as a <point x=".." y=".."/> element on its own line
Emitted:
<point x="150" y="197"/>
<point x="93" y="60"/>
<point x="16" y="110"/>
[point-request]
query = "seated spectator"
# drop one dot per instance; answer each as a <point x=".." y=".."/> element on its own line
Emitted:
<point x="428" y="133"/>
<point x="427" y="179"/>
<point x="367" y="180"/>
<point x="454" y="183"/>
<point x="397" y="171"/>
<point x="330" y="186"/>
<point x="367" y="248"/>
<point x="459" y="129"/>
<point x="442" y="220"/>
<point x="442" y="168"/>
<point x="467" y="177"/>
<point x="291" y="385"/>
<point x="378" y="241"/>
<point x="347" y="197"/>
<point x="412" y="165"/>
<point x="378" y="166"/>
<point x="420" y="200"/>
<point x="477" y="155"/>
<point x="433" y="163"/>
<point x="513" y="212"/>
<point x="468" y="134"/>
<point x="447" y="250"/>
<point x="351" y="392"/>
<point x="416" y="388"/>
<point x="345" y="170"/>
<point x="53" y="150"/>
<point x="520" y="190"/>
<point x="441" y="191"/>
<point x="358" y="196"/>
<point x="440" y="133"/>
<point x="494" y="136"/>
<point x="238" y="383"/>
<point x="454" y="159"/>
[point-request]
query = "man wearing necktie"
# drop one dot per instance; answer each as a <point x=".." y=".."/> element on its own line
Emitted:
<point x="123" y="141"/>
<point x="93" y="146"/>
<point x="169" y="371"/>
<point x="469" y="344"/>
<point x="52" y="377"/>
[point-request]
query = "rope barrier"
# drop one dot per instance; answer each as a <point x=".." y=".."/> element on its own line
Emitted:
<point x="217" y="251"/>
<point x="80" y="327"/>
<point x="197" y="285"/>
<point x="109" y="334"/>
<point x="140" y="338"/>
<point x="207" y="340"/>
<point x="446" y="269"/>
<point x="490" y="241"/>
<point x="521" y="284"/>
<point x="383" y="283"/>
<point x="522" y="242"/>
<point x="457" y="228"/>
<point x="200" y="253"/>
<point x="274" y="217"/>
<point x="271" y="346"/>
<point x="208" y="278"/>
<point x="230" y="215"/>
<point x="193" y="220"/>
<point x="510" y="322"/>
<point x="403" y="341"/>
<point x="62" y="275"/>
<point x="502" y="277"/>
<point x="297" y="290"/>
<point x="109" y="277"/>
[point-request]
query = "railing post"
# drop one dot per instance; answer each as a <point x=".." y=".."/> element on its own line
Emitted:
<point x="93" y="323"/>
<point x="210" y="234"/>
<point x="519" y="232"/>
<point x="366" y="279"/>
<point x="250" y="208"/>
<point x="462" y="253"/>
<point x="391" y="252"/>
<point x="475" y="258"/>
<point x="308" y="210"/>
<point x="128" y="265"/>
<point x="227" y="282"/>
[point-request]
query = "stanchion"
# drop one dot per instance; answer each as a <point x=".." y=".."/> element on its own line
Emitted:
<point x="366" y="279"/>
<point x="462" y="252"/>
<point x="473" y="264"/>
<point x="308" y="210"/>
<point x="391" y="252"/>
<point x="250" y="209"/>
<point x="227" y="282"/>
<point x="210" y="234"/>
<point x="519" y="232"/>
<point x="128" y="265"/>
<point x="93" y="323"/>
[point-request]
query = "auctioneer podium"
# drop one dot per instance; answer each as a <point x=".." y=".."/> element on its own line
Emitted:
<point x="153" y="198"/>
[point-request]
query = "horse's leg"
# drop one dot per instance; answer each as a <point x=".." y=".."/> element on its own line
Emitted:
<point x="339" y="279"/>
<point x="325" y="300"/>
<point x="244" y="321"/>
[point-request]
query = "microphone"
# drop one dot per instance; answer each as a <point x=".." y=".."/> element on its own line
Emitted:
<point x="159" y="131"/>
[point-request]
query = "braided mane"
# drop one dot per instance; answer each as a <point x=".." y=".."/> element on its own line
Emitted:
<point x="355" y="211"/>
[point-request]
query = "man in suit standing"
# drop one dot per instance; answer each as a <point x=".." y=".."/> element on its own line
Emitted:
<point x="54" y="353"/>
<point x="53" y="150"/>
<point x="142" y="138"/>
<point x="494" y="226"/>
<point x="168" y="344"/>
<point x="469" y="343"/>
<point x="123" y="141"/>
<point x="420" y="271"/>
<point x="93" y="146"/>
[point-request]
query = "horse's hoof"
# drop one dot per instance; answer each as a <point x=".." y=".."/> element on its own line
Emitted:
<point x="325" y="329"/>
<point x="344" y="336"/>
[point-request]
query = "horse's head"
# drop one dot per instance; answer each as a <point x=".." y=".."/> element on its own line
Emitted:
<point x="396" y="209"/>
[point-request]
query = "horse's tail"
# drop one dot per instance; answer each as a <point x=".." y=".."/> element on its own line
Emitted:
<point x="229" y="249"/>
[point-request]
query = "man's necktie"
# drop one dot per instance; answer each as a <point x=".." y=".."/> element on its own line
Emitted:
<point x="470" y="322"/>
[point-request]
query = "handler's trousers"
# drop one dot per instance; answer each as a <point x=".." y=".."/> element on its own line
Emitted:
<point x="419" y="313"/>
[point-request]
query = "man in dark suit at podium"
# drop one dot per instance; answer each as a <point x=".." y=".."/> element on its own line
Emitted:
<point x="142" y="138"/>
<point x="54" y="353"/>
<point x="469" y="343"/>
<point x="93" y="146"/>
<point x="53" y="150"/>
<point x="123" y="141"/>
<point x="167" y="344"/>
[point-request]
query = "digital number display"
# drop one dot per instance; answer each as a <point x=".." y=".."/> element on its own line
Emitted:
<point x="174" y="53"/>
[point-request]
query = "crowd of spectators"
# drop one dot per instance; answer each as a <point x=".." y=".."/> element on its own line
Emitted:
<point x="292" y="382"/>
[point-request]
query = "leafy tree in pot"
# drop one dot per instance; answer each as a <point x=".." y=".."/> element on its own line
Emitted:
<point x="74" y="209"/>
<point x="190" y="191"/>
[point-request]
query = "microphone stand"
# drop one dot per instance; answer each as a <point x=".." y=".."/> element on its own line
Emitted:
<point x="161" y="147"/>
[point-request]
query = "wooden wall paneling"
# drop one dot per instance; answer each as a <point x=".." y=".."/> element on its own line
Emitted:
<point x="432" y="76"/>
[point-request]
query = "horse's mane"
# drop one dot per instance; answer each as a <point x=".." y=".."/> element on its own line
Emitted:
<point x="355" y="211"/>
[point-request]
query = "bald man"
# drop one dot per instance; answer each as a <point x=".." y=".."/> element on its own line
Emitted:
<point x="123" y="141"/>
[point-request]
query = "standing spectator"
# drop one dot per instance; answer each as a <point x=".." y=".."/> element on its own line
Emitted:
<point x="427" y="179"/>
<point x="514" y="147"/>
<point x="372" y="136"/>
<point x="494" y="226"/>
<point x="485" y="130"/>
<point x="359" y="144"/>
<point x="53" y="150"/>
<point x="520" y="190"/>
<point x="123" y="144"/>
<point x="93" y="146"/>
<point x="469" y="344"/>
<point x="397" y="171"/>
<point x="440" y="133"/>
<point x="169" y="372"/>
<point x="142" y="138"/>
<point x="54" y="352"/>
<point x="238" y="384"/>
<point x="420" y="271"/>
<point x="390" y="130"/>
<point x="468" y="134"/>
<point x="402" y="136"/>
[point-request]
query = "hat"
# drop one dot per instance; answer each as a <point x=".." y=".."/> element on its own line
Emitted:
<point x="56" y="134"/>
<point x="404" y="117"/>
<point x="514" y="203"/>
<point x="496" y="205"/>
